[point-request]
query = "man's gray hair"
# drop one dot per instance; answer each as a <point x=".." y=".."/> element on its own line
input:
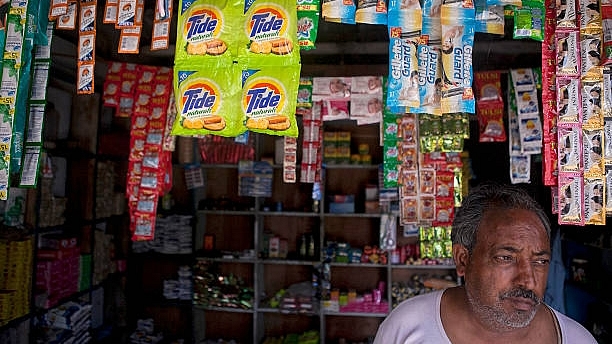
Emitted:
<point x="485" y="197"/>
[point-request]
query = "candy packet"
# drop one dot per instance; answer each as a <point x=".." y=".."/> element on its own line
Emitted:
<point x="207" y="100"/>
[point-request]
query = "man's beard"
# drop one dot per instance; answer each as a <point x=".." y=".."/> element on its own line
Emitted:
<point x="496" y="317"/>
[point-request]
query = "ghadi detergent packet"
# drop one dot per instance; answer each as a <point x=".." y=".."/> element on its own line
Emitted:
<point x="207" y="29"/>
<point x="269" y="30"/>
<point x="269" y="97"/>
<point x="207" y="100"/>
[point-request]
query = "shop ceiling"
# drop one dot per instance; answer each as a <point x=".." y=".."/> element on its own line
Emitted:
<point x="342" y="49"/>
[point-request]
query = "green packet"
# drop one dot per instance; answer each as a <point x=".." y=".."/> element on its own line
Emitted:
<point x="269" y="31"/>
<point x="208" y="30"/>
<point x="207" y="100"/>
<point x="269" y="98"/>
<point x="308" y="23"/>
<point x="529" y="21"/>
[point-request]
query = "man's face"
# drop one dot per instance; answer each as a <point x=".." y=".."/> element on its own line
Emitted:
<point x="505" y="278"/>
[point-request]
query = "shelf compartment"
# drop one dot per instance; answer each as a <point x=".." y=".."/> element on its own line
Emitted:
<point x="289" y="213"/>
<point x="289" y="262"/>
<point x="357" y="265"/>
<point x="356" y="314"/>
<point x="423" y="267"/>
<point x="229" y="260"/>
<point x="224" y="309"/>
<point x="231" y="233"/>
<point x="281" y="311"/>
<point x="357" y="328"/>
<point x="226" y="324"/>
<point x="275" y="324"/>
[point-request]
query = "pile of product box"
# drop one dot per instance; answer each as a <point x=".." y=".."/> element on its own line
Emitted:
<point x="57" y="269"/>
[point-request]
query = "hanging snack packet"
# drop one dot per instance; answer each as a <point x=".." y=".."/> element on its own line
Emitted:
<point x="268" y="100"/>
<point x="269" y="29"/>
<point x="207" y="30"/>
<point x="308" y="23"/>
<point x="569" y="143"/>
<point x="207" y="100"/>
<point x="570" y="200"/>
<point x="371" y="12"/>
<point x="457" y="46"/>
<point x="529" y="21"/>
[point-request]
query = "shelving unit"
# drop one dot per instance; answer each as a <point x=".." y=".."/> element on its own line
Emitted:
<point x="244" y="229"/>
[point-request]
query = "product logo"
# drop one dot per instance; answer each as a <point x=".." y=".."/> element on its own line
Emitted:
<point x="199" y="97"/>
<point x="262" y="97"/>
<point x="203" y="24"/>
<point x="267" y="22"/>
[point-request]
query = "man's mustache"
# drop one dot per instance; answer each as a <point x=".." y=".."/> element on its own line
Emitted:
<point x="524" y="293"/>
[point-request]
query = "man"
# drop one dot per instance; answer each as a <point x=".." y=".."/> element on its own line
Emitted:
<point x="501" y="247"/>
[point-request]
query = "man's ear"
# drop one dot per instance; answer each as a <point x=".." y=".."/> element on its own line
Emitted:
<point x="461" y="257"/>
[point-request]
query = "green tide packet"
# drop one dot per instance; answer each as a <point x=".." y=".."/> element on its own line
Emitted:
<point x="207" y="100"/>
<point x="269" y="96"/>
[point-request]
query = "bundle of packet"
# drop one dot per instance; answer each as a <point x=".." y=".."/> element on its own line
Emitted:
<point x="268" y="98"/>
<point x="269" y="29"/>
<point x="308" y="23"/>
<point x="457" y="45"/>
<point x="207" y="100"/>
<point x="207" y="30"/>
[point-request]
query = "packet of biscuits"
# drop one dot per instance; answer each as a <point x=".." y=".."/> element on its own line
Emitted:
<point x="269" y="30"/>
<point x="207" y="30"/>
<point x="207" y="100"/>
<point x="268" y="100"/>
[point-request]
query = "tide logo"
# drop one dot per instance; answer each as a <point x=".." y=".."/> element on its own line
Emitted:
<point x="266" y="22"/>
<point x="199" y="97"/>
<point x="203" y="23"/>
<point x="262" y="97"/>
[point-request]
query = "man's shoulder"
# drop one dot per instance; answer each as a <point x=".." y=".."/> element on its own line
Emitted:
<point x="572" y="331"/>
<point x="420" y="303"/>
